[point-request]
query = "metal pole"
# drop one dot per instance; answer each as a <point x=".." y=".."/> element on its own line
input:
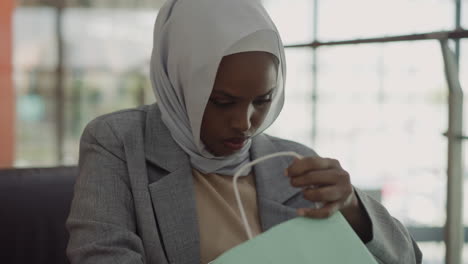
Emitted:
<point x="454" y="235"/>
<point x="59" y="85"/>
<point x="458" y="4"/>
<point x="314" y="74"/>
<point x="453" y="34"/>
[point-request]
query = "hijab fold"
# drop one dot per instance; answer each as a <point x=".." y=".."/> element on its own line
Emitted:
<point x="190" y="39"/>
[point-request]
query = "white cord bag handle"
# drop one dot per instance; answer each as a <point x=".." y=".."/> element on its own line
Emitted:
<point x="247" y="227"/>
<point x="299" y="240"/>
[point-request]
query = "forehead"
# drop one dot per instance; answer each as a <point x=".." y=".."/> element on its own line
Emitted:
<point x="249" y="59"/>
<point x="247" y="71"/>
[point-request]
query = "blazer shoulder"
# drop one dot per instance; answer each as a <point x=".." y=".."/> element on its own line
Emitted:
<point x="110" y="130"/>
<point x="120" y="122"/>
<point x="289" y="145"/>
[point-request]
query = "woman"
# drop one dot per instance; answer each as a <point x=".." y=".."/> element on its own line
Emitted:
<point x="155" y="182"/>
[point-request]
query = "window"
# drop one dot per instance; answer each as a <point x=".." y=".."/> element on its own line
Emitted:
<point x="107" y="62"/>
<point x="293" y="19"/>
<point x="382" y="113"/>
<point x="295" y="122"/>
<point x="105" y="65"/>
<point x="339" y="20"/>
<point x="464" y="11"/>
<point x="381" y="109"/>
<point x="35" y="61"/>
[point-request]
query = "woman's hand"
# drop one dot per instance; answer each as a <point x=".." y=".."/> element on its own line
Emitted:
<point x="323" y="180"/>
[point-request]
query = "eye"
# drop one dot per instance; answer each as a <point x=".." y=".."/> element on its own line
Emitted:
<point x="221" y="102"/>
<point x="262" y="102"/>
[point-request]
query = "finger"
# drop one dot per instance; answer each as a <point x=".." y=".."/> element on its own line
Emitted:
<point x="326" y="211"/>
<point x="351" y="198"/>
<point x="325" y="194"/>
<point x="300" y="166"/>
<point x="322" y="177"/>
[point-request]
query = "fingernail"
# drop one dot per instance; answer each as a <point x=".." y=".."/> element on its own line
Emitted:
<point x="286" y="173"/>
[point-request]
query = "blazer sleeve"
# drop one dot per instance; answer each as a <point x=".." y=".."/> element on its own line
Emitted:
<point x="391" y="242"/>
<point x="101" y="221"/>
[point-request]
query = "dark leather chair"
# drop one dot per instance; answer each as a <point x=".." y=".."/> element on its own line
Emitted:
<point x="34" y="204"/>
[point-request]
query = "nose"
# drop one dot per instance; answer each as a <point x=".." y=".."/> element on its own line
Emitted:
<point x="241" y="120"/>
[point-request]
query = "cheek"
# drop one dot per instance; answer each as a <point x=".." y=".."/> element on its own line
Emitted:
<point x="210" y="124"/>
<point x="259" y="116"/>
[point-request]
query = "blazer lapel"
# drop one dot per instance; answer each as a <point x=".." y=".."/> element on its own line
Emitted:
<point x="161" y="149"/>
<point x="174" y="203"/>
<point x="172" y="192"/>
<point x="273" y="188"/>
<point x="173" y="196"/>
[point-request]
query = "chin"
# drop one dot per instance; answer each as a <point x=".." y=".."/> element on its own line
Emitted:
<point x="223" y="152"/>
<point x="217" y="152"/>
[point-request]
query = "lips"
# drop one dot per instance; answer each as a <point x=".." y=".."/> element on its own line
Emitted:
<point x="235" y="143"/>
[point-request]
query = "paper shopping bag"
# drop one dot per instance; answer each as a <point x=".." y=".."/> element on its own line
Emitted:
<point x="297" y="241"/>
<point x="302" y="240"/>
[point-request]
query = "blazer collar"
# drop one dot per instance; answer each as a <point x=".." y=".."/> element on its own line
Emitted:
<point x="273" y="187"/>
<point x="160" y="147"/>
<point x="163" y="151"/>
<point x="271" y="182"/>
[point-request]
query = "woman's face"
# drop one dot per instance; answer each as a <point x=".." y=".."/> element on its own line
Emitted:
<point x="239" y="101"/>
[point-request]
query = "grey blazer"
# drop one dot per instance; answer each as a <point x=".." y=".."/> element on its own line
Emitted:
<point x="134" y="198"/>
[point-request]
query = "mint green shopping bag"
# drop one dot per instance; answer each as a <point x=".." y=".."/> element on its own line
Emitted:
<point x="300" y="240"/>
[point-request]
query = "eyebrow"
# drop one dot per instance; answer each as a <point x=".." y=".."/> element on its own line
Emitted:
<point x="235" y="97"/>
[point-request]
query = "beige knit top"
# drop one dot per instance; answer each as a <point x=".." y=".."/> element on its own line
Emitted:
<point x="219" y="221"/>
